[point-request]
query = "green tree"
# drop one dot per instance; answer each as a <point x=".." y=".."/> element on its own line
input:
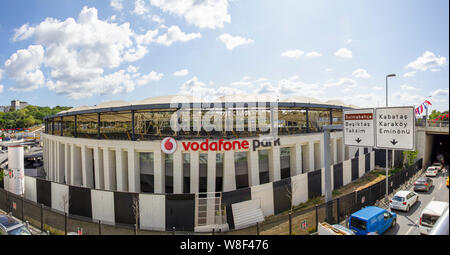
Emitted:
<point x="434" y="114"/>
<point x="410" y="157"/>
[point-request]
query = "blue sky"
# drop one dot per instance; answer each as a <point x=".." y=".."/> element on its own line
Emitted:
<point x="86" y="52"/>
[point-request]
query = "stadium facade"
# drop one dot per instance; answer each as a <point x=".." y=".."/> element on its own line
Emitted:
<point x="183" y="148"/>
<point x="118" y="145"/>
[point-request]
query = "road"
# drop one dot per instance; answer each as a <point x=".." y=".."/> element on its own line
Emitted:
<point x="407" y="222"/>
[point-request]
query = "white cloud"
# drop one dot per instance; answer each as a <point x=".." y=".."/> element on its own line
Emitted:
<point x="22" y="33"/>
<point x="174" y="34"/>
<point x="361" y="73"/>
<point x="152" y="76"/>
<point x="343" y="82"/>
<point x="139" y="7"/>
<point x="132" y="69"/>
<point x="314" y="54"/>
<point x="1" y="74"/>
<point x="232" y="42"/>
<point x="426" y="61"/>
<point x="24" y="67"/>
<point x="408" y="87"/>
<point x="197" y="88"/>
<point x="116" y="4"/>
<point x="182" y="72"/>
<point x="293" y="53"/>
<point x="435" y="69"/>
<point x="328" y="69"/>
<point x="377" y="88"/>
<point x="1" y="88"/>
<point x="343" y="53"/>
<point x="440" y="92"/>
<point x="409" y="74"/>
<point x="201" y="13"/>
<point x="82" y="55"/>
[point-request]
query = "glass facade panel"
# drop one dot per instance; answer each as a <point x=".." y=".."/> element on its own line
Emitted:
<point x="186" y="173"/>
<point x="168" y="167"/>
<point x="285" y="162"/>
<point x="337" y="117"/>
<point x="116" y="125"/>
<point x="318" y="119"/>
<point x="87" y="126"/>
<point x="152" y="124"/>
<point x="69" y="126"/>
<point x="241" y="168"/>
<point x="203" y="172"/>
<point x="146" y="164"/>
<point x="219" y="172"/>
<point x="291" y="121"/>
<point x="263" y="157"/>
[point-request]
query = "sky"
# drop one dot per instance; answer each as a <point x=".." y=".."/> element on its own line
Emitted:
<point x="74" y="53"/>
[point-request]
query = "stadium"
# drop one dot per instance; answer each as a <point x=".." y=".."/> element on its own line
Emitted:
<point x="192" y="152"/>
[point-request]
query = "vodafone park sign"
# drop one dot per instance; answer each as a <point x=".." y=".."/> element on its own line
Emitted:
<point x="169" y="145"/>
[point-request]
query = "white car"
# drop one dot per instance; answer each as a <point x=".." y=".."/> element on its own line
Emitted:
<point x="438" y="166"/>
<point x="431" y="171"/>
<point x="403" y="200"/>
<point x="430" y="215"/>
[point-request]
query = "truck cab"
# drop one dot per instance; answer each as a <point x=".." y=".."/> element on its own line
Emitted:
<point x="370" y="220"/>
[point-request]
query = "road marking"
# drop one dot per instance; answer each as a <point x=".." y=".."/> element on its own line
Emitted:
<point x="407" y="232"/>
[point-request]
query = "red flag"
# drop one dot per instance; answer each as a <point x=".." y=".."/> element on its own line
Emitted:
<point x="428" y="102"/>
<point x="421" y="108"/>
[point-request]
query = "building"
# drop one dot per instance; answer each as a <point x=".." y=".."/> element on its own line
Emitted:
<point x="132" y="147"/>
<point x="4" y="108"/>
<point x="17" y="105"/>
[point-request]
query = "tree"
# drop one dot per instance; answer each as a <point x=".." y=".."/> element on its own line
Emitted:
<point x="434" y="114"/>
<point x="409" y="157"/>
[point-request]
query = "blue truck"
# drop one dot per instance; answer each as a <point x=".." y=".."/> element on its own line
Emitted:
<point x="371" y="220"/>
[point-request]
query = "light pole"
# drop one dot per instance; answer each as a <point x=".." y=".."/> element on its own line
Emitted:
<point x="387" y="157"/>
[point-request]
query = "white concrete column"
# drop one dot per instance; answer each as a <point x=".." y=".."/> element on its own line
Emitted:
<point x="311" y="156"/>
<point x="62" y="163"/>
<point x="50" y="162"/>
<point x="121" y="170"/>
<point x="335" y="152"/>
<point x="195" y="164"/>
<point x="109" y="169"/>
<point x="98" y="168"/>
<point x="134" y="177"/>
<point x="177" y="172"/>
<point x="274" y="164"/>
<point x="361" y="151"/>
<point x="211" y="172"/>
<point x="229" y="171"/>
<point x="159" y="171"/>
<point x="87" y="167"/>
<point x="76" y="165"/>
<point x="56" y="172"/>
<point x="67" y="162"/>
<point x="296" y="159"/>
<point x="253" y="168"/>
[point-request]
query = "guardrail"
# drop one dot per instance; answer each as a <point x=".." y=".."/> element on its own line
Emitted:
<point x="432" y="123"/>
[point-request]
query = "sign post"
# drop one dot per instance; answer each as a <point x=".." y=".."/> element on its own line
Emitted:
<point x="395" y="128"/>
<point x="359" y="128"/>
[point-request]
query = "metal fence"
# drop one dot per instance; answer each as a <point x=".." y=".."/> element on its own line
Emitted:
<point x="56" y="222"/>
<point x="305" y="221"/>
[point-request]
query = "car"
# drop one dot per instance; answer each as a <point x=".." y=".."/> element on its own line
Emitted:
<point x="447" y="182"/>
<point x="431" y="171"/>
<point x="423" y="184"/>
<point x="438" y="166"/>
<point x="430" y="215"/>
<point x="11" y="226"/>
<point x="403" y="200"/>
<point x="372" y="220"/>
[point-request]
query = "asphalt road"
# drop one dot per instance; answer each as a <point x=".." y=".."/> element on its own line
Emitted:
<point x="407" y="222"/>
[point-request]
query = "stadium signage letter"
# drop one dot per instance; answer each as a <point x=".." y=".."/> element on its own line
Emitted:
<point x="223" y="145"/>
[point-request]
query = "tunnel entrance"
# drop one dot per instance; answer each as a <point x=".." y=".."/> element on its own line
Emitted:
<point x="440" y="147"/>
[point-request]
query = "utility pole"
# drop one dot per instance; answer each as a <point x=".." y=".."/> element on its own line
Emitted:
<point x="387" y="156"/>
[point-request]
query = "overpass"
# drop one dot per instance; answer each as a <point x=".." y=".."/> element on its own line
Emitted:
<point x="432" y="138"/>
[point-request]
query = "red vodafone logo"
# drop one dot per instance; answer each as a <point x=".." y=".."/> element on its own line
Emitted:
<point x="168" y="145"/>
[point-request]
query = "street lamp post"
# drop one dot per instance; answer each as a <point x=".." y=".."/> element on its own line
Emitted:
<point x="387" y="157"/>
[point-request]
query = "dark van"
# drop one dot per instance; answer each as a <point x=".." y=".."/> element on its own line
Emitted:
<point x="371" y="220"/>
